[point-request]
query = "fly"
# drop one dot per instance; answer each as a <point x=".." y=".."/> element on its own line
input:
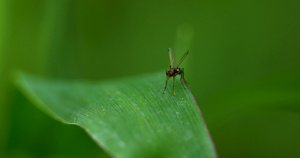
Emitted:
<point x="175" y="71"/>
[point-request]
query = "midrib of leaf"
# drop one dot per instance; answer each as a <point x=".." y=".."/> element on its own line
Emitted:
<point x="129" y="117"/>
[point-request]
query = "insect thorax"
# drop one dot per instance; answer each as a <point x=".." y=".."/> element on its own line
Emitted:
<point x="174" y="72"/>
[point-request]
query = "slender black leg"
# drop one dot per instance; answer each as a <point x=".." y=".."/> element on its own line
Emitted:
<point x="173" y="85"/>
<point x="166" y="84"/>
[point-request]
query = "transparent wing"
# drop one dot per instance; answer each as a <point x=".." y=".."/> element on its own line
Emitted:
<point x="182" y="58"/>
<point x="171" y="56"/>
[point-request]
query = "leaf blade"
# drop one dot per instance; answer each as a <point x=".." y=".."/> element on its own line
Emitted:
<point x="128" y="117"/>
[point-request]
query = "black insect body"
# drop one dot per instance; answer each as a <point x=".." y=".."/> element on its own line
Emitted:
<point x="175" y="71"/>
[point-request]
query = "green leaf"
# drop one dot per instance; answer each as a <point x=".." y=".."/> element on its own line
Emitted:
<point x="129" y="117"/>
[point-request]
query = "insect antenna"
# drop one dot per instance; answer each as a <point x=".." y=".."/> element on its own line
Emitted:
<point x="171" y="56"/>
<point x="182" y="58"/>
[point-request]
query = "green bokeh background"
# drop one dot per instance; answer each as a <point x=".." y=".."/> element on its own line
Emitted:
<point x="243" y="67"/>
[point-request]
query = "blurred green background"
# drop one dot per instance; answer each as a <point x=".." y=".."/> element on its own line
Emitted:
<point x="243" y="67"/>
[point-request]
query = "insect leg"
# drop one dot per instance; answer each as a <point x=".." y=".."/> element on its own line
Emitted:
<point x="182" y="78"/>
<point x="166" y="84"/>
<point x="173" y="85"/>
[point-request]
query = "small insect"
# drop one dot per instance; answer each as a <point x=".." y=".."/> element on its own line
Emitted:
<point x="175" y="71"/>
